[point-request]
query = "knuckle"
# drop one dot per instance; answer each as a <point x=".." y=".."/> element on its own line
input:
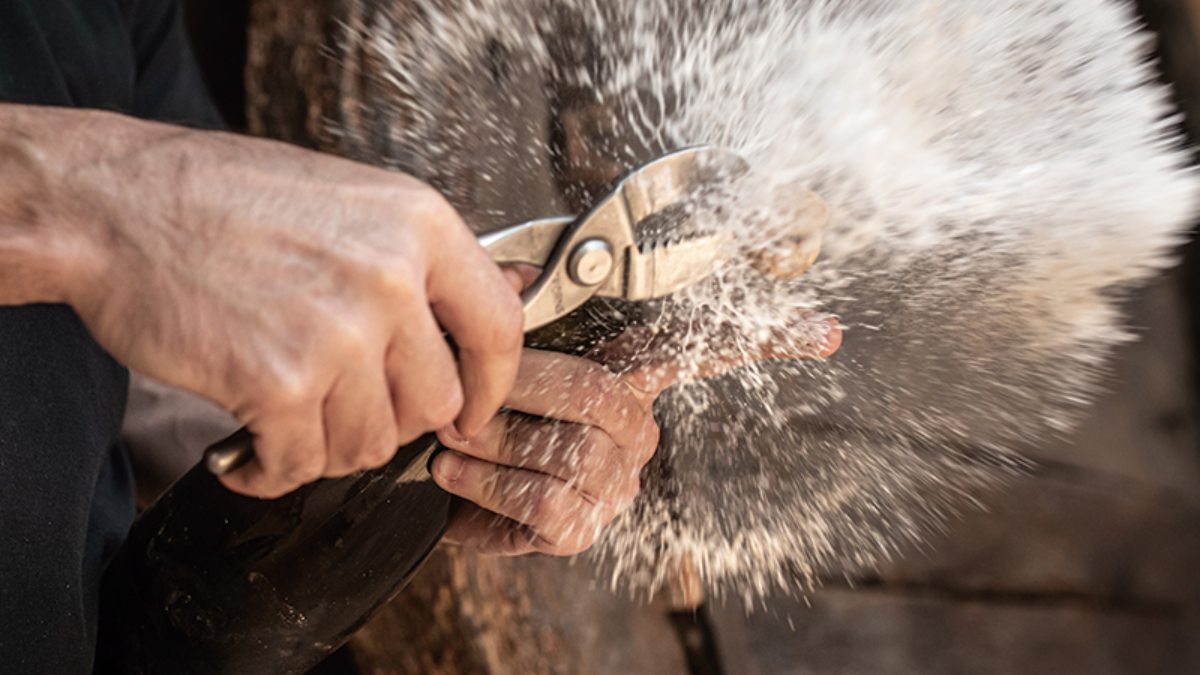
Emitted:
<point x="519" y="539"/>
<point x="348" y="339"/>
<point x="592" y="394"/>
<point x="407" y="434"/>
<point x="567" y="530"/>
<point x="653" y="436"/>
<point x="604" y="503"/>
<point x="604" y="515"/>
<point x="396" y="282"/>
<point x="629" y="495"/>
<point x="306" y="475"/>
<point x="239" y="485"/>
<point x="509" y="448"/>
<point x="287" y="388"/>
<point x="271" y="489"/>
<point x="501" y="330"/>
<point x="378" y="453"/>
<point x="584" y="544"/>
<point x="413" y="423"/>
<point x="546" y="543"/>
<point x="573" y="544"/>
<point x="375" y="459"/>
<point x="313" y="471"/>
<point x="594" y="453"/>
<point x="629" y="410"/>
<point x="444" y="409"/>
<point x="492" y="487"/>
<point x="608" y="498"/>
<point x="434" y="206"/>
<point x="590" y="408"/>
<point x="508" y="324"/>
<point x="433" y="215"/>
<point x="536" y="508"/>
<point x="305" y="470"/>
<point x="548" y="508"/>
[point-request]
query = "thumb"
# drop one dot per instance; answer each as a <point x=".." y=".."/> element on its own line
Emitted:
<point x="521" y="275"/>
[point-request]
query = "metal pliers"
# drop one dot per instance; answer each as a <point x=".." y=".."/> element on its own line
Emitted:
<point x="637" y="243"/>
<point x="603" y="254"/>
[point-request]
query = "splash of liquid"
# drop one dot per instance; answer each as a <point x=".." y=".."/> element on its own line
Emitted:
<point x="999" y="172"/>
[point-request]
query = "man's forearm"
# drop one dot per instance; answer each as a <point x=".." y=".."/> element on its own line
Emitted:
<point x="304" y="293"/>
<point x="43" y="226"/>
<point x="75" y="185"/>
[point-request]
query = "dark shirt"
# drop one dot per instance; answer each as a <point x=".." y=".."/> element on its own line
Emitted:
<point x="66" y="497"/>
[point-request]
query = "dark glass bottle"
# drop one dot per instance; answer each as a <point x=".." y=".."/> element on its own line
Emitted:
<point x="210" y="581"/>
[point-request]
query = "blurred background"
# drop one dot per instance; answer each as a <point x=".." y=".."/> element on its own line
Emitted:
<point x="1088" y="565"/>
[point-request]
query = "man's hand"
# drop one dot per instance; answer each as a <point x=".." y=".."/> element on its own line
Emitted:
<point x="548" y="475"/>
<point x="558" y="467"/>
<point x="306" y="294"/>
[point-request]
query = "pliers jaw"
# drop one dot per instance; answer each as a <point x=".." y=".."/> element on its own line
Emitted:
<point x="598" y="254"/>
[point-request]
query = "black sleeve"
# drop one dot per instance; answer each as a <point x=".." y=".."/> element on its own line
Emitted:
<point x="169" y="86"/>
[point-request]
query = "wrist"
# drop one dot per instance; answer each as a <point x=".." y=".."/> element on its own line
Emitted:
<point x="32" y="268"/>
<point x="63" y="198"/>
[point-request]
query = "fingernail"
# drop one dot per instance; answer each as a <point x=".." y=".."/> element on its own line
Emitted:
<point x="448" y="466"/>
<point x="452" y="437"/>
<point x="831" y="341"/>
